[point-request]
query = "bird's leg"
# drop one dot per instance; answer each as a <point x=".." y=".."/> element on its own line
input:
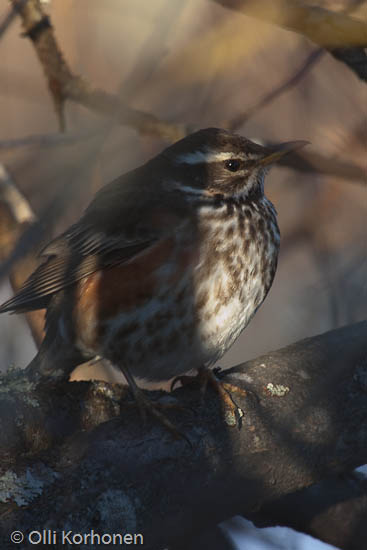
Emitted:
<point x="232" y="412"/>
<point x="207" y="376"/>
<point x="146" y="406"/>
<point x="204" y="375"/>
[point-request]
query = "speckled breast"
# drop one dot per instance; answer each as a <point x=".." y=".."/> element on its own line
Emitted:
<point x="237" y="270"/>
<point x="185" y="304"/>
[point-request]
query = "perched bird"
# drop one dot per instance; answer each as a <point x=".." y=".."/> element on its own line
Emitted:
<point x="166" y="267"/>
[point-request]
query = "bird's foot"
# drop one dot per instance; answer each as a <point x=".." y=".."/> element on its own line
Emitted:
<point x="232" y="412"/>
<point x="147" y="408"/>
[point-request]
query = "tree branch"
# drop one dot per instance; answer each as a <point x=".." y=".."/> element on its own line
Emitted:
<point x="314" y="57"/>
<point x="342" y="35"/>
<point x="66" y="86"/>
<point x="324" y="27"/>
<point x="81" y="446"/>
<point x="333" y="510"/>
<point x="63" y="84"/>
<point x="8" y="19"/>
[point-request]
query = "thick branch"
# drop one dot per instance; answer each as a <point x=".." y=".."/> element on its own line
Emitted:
<point x="333" y="510"/>
<point x="303" y="420"/>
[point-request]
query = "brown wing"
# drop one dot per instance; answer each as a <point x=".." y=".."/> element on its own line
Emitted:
<point x="118" y="225"/>
<point x="62" y="270"/>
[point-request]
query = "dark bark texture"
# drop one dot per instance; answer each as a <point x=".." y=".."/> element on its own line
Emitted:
<point x="76" y="456"/>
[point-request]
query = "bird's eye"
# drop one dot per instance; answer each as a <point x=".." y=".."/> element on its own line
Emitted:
<point x="232" y="165"/>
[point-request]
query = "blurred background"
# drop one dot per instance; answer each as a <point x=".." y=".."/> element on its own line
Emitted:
<point x="196" y="63"/>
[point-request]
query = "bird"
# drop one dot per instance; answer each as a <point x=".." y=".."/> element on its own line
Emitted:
<point x="165" y="268"/>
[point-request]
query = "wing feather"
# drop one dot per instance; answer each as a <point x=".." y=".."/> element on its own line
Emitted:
<point x="59" y="272"/>
<point x="117" y="225"/>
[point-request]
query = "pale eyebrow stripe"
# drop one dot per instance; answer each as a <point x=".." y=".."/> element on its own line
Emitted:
<point x="198" y="157"/>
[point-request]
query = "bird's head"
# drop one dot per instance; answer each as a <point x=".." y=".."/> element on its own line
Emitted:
<point x="214" y="162"/>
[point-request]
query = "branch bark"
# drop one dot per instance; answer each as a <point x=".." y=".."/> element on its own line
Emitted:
<point x="82" y="447"/>
<point x="333" y="510"/>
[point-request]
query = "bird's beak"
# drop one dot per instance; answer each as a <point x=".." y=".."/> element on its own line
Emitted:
<point x="273" y="154"/>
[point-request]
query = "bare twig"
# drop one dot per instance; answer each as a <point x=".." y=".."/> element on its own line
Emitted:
<point x="15" y="216"/>
<point x="76" y="89"/>
<point x="355" y="58"/>
<point x="45" y="140"/>
<point x="324" y="27"/>
<point x="236" y="122"/>
<point x="29" y="238"/>
<point x="64" y="85"/>
<point x="9" y="18"/>
<point x="153" y="50"/>
<point x="342" y="35"/>
<point x="34" y="234"/>
<point x="67" y="86"/>
<point x="313" y="162"/>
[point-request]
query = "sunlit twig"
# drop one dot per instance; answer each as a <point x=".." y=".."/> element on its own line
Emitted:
<point x="236" y="122"/>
